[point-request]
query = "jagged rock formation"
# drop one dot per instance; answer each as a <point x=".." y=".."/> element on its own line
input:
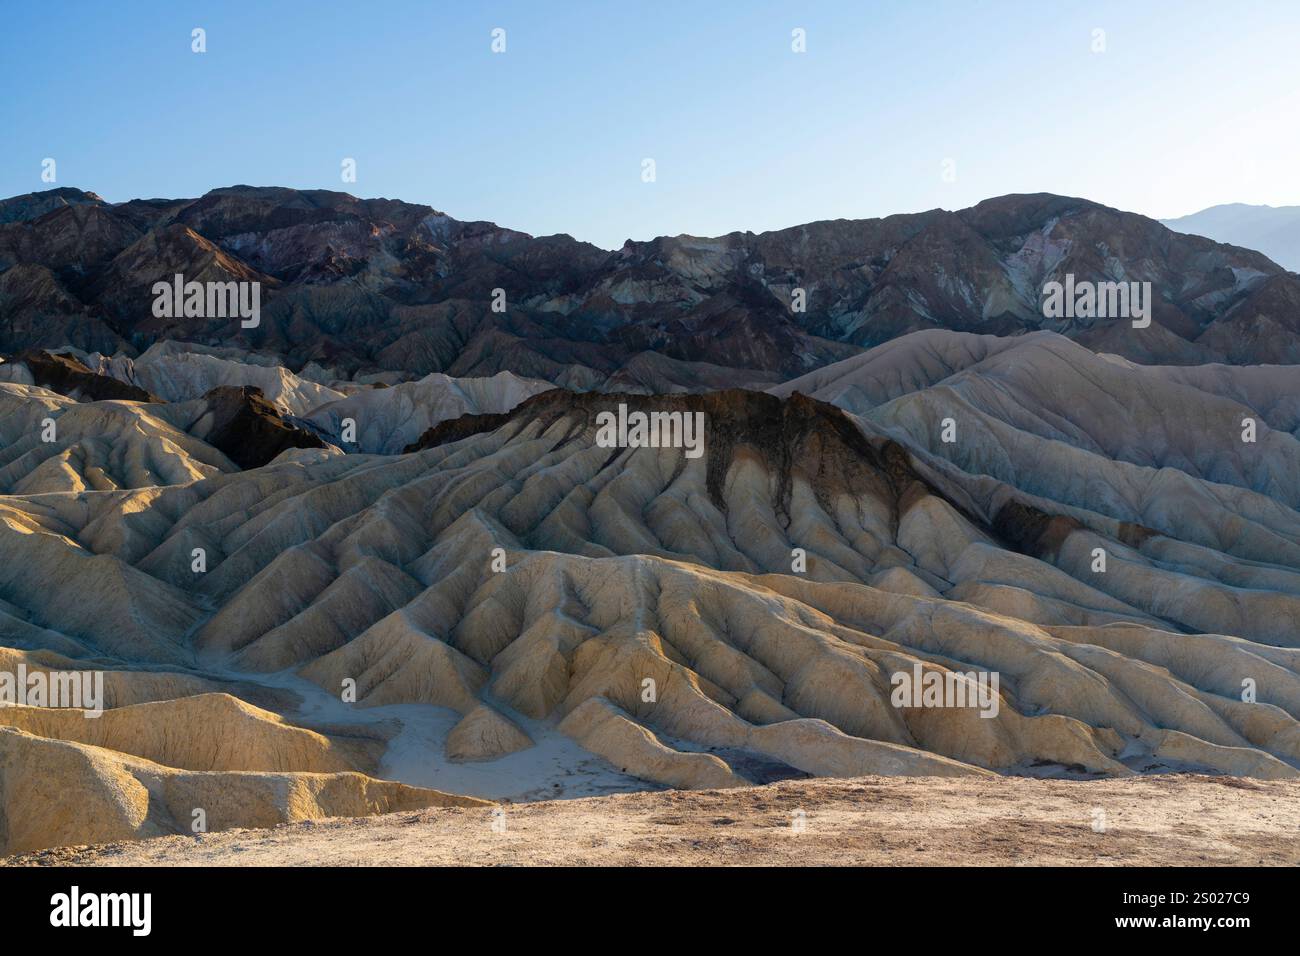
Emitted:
<point x="709" y="621"/>
<point x="49" y="443"/>
<point x="375" y="285"/>
<point x="238" y="421"/>
<point x="68" y="376"/>
<point x="385" y="419"/>
<point x="388" y="419"/>
<point x="182" y="373"/>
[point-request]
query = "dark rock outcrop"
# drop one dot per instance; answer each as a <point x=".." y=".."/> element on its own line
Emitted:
<point x="65" y="374"/>
<point x="247" y="428"/>
<point x="795" y="435"/>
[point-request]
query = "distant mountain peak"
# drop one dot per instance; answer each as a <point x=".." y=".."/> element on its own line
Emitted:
<point x="1273" y="230"/>
<point x="36" y="204"/>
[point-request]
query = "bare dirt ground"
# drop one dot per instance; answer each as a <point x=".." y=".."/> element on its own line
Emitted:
<point x="883" y="821"/>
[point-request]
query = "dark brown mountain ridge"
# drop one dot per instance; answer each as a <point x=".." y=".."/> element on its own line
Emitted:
<point x="377" y="284"/>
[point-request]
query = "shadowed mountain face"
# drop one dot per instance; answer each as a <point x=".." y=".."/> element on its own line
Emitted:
<point x="355" y="285"/>
<point x="67" y="375"/>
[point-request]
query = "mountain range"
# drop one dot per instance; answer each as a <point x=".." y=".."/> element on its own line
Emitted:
<point x="355" y="286"/>
<point x="1273" y="230"/>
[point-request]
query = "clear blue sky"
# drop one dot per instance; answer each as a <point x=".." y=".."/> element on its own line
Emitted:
<point x="1192" y="104"/>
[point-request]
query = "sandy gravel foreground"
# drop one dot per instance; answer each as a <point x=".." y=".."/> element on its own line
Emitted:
<point x="892" y="821"/>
